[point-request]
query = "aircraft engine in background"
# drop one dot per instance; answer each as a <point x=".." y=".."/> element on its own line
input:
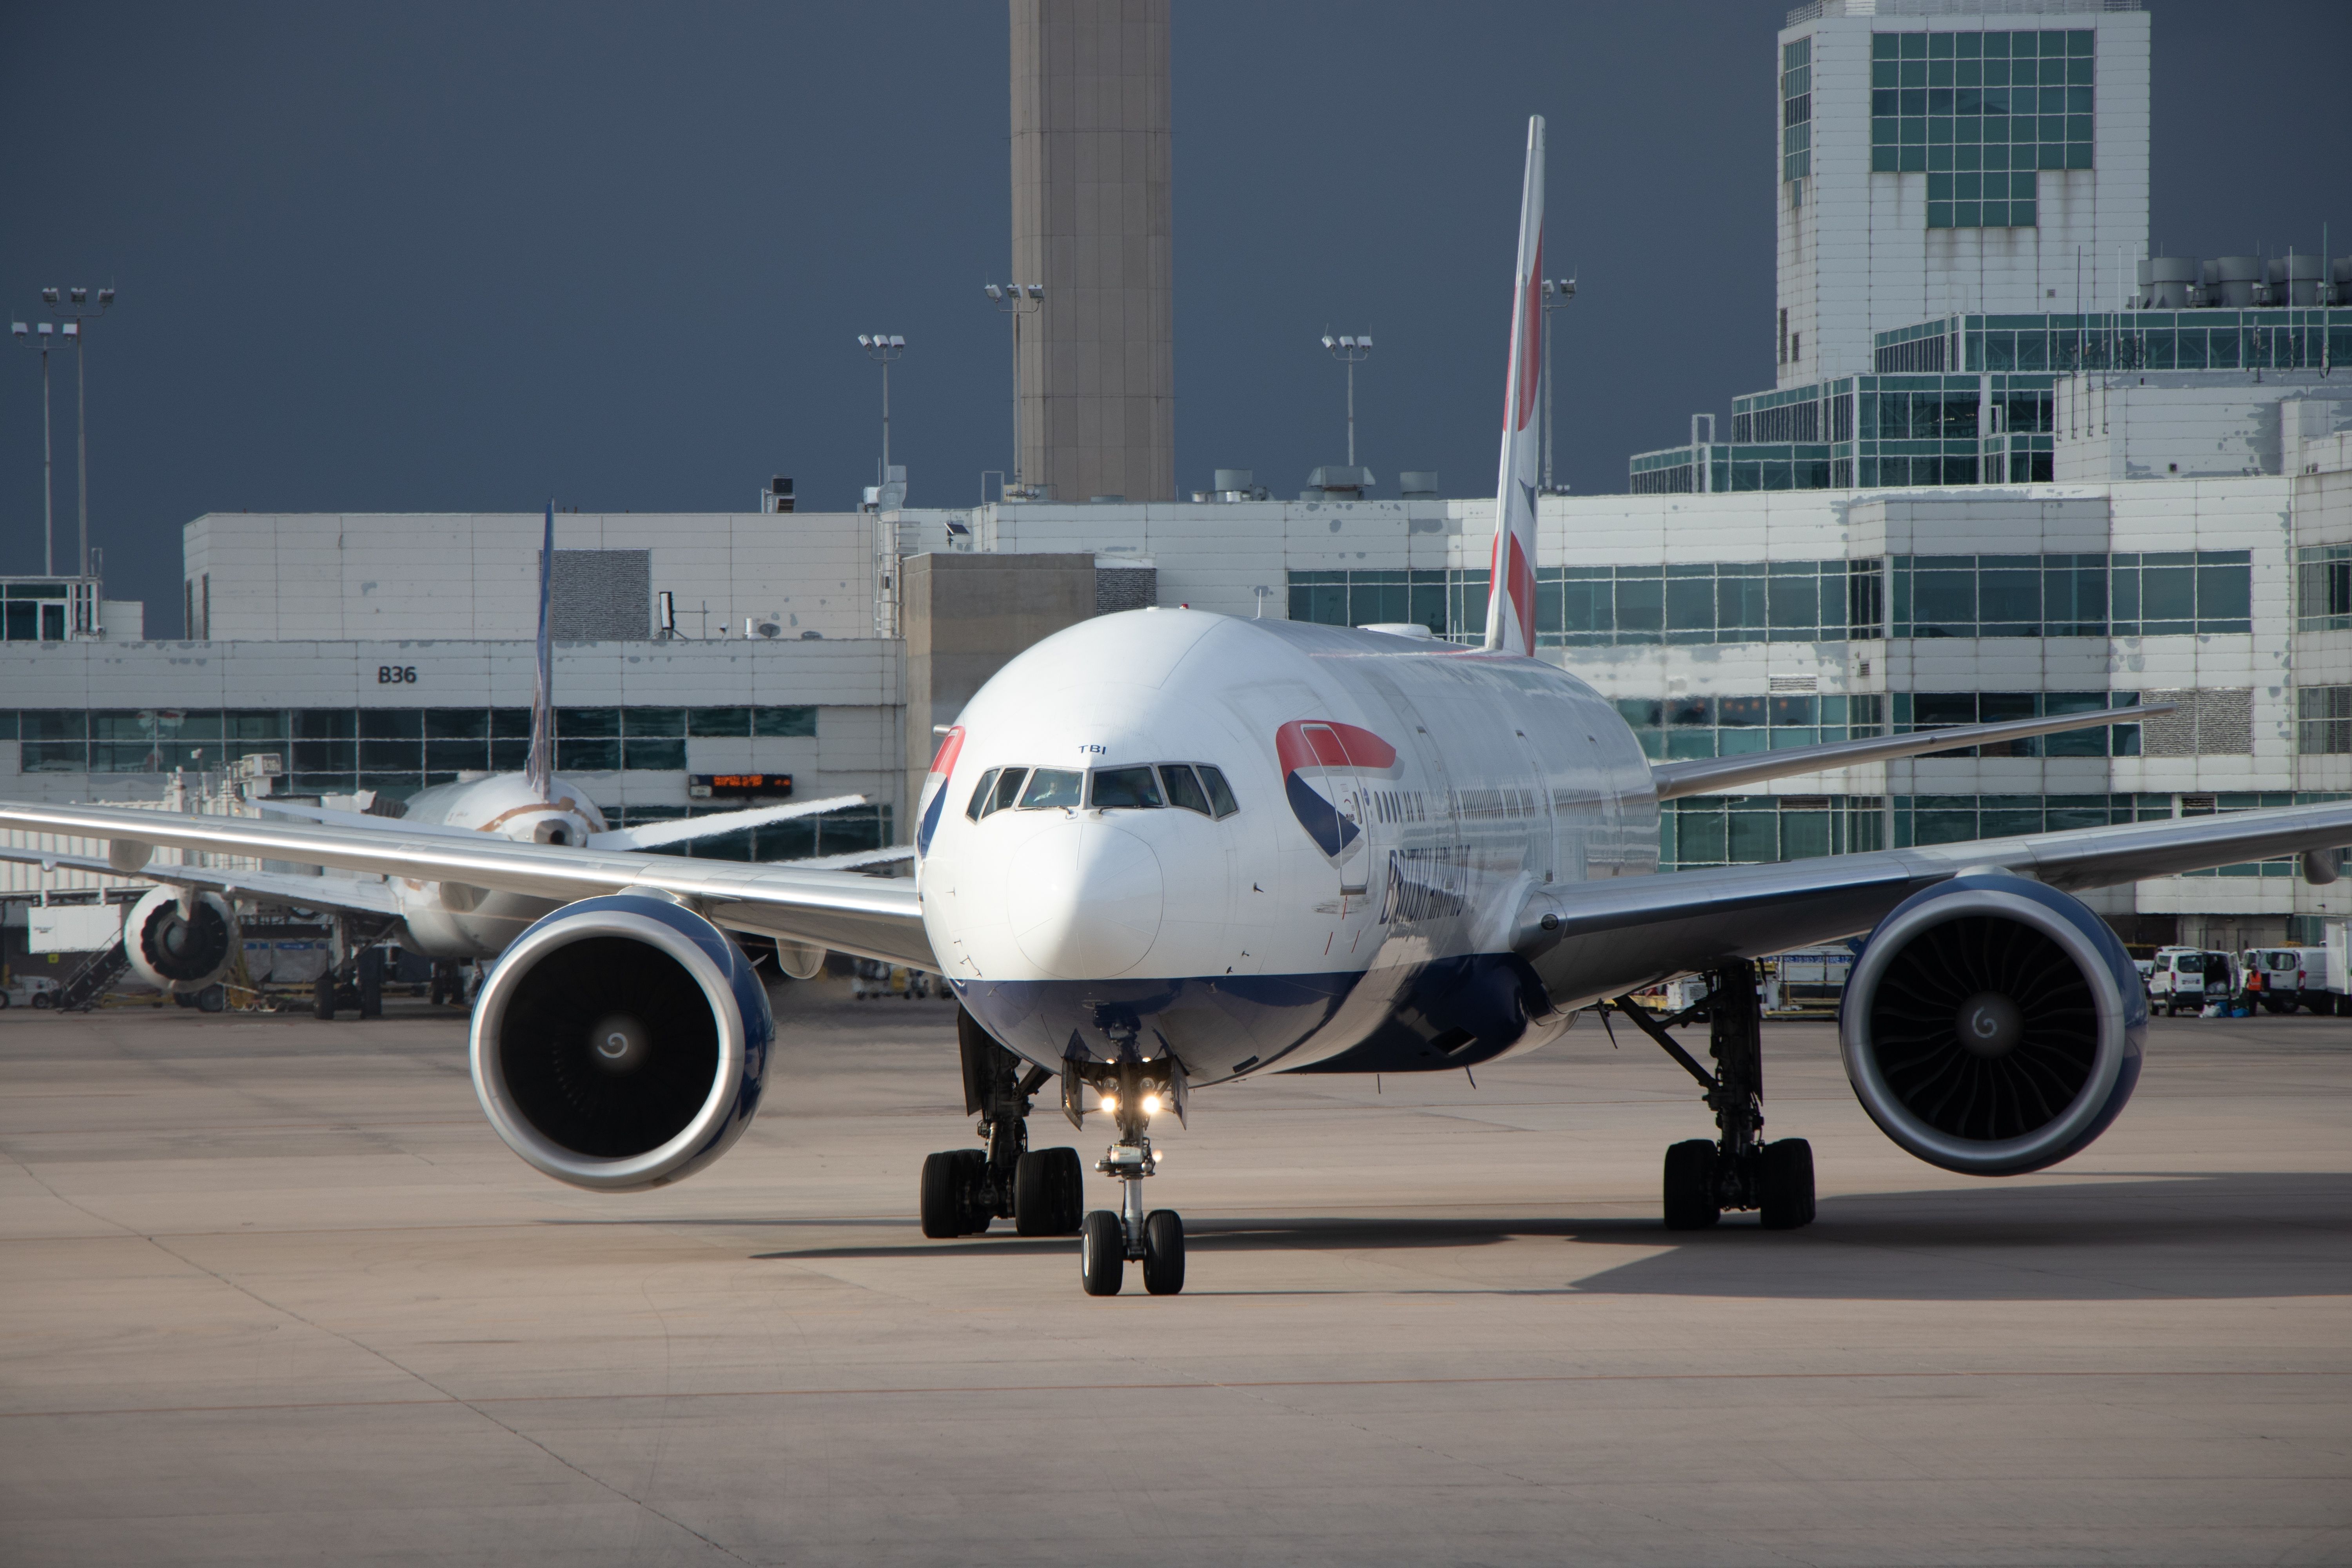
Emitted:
<point x="1993" y="1026"/>
<point x="621" y="1043"/>
<point x="174" y="949"/>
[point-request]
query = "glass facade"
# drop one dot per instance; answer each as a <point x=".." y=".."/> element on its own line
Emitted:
<point x="1872" y="431"/>
<point x="334" y="751"/>
<point x="1981" y="113"/>
<point x="1731" y="830"/>
<point x="33" y="611"/>
<point x="2323" y="720"/>
<point x="2323" y="588"/>
<point x="2271" y="338"/>
<point x="1796" y="110"/>
<point x="1606" y="606"/>
<point x="1677" y="729"/>
<point x="2124" y="595"/>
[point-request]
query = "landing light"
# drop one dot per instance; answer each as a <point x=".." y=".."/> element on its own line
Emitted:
<point x="1151" y="1105"/>
<point x="1110" y="1103"/>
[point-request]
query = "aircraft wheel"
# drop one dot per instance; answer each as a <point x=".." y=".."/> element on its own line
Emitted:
<point x="1048" y="1192"/>
<point x="212" y="999"/>
<point x="950" y="1183"/>
<point x="1785" y="1183"/>
<point x="1691" y="1202"/>
<point x="1163" y="1252"/>
<point x="1102" y="1254"/>
<point x="183" y="998"/>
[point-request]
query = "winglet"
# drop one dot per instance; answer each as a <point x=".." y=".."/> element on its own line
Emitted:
<point x="1511" y="574"/>
<point x="539" y="771"/>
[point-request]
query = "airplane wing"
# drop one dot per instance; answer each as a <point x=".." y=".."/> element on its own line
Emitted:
<point x="687" y="829"/>
<point x="644" y="836"/>
<point x="274" y="887"/>
<point x="871" y="917"/>
<point x="1612" y="936"/>
<point x="850" y="861"/>
<point x="1708" y="773"/>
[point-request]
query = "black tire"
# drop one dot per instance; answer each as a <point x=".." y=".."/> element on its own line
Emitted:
<point x="43" y="1001"/>
<point x="322" y="999"/>
<point x="942" y="1195"/>
<point x="1048" y="1192"/>
<point x="1163" y="1252"/>
<point x="183" y="998"/>
<point x="1784" y="1179"/>
<point x="2274" y="1007"/>
<point x="212" y="999"/>
<point x="1690" y="1186"/>
<point x="1102" y="1254"/>
<point x="971" y="1183"/>
<point x="3" y="1002"/>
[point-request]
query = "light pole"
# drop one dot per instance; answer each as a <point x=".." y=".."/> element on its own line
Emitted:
<point x="26" y="336"/>
<point x="882" y="348"/>
<point x="77" y="309"/>
<point x="1556" y="292"/>
<point x="1016" y="301"/>
<point x="1351" y="353"/>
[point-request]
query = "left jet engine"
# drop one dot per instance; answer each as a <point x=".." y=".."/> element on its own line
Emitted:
<point x="1992" y="1025"/>
<point x="621" y="1043"/>
<point x="176" y="951"/>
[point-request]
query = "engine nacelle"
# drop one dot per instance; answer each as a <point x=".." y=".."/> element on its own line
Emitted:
<point x="620" y="1043"/>
<point x="173" y="951"/>
<point x="1993" y="1026"/>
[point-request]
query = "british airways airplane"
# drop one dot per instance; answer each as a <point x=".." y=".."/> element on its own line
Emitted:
<point x="1164" y="850"/>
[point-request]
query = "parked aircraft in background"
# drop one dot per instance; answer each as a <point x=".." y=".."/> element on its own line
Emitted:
<point x="183" y="937"/>
<point x="1164" y="849"/>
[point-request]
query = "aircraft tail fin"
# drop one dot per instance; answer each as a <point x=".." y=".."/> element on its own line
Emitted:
<point x="1511" y="577"/>
<point x="539" y="771"/>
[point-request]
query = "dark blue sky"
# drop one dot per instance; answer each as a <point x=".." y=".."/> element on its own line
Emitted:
<point x="461" y="257"/>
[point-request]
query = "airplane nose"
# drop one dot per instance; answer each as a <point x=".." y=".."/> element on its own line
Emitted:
<point x="1084" y="900"/>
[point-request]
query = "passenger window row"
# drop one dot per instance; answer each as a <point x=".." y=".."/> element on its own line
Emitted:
<point x="1190" y="786"/>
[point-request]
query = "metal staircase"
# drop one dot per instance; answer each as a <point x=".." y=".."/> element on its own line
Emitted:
<point x="88" y="984"/>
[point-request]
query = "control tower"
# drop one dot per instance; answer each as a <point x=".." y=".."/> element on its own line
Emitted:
<point x="1092" y="221"/>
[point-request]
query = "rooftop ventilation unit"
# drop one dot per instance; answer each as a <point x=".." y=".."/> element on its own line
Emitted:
<point x="1337" y="481"/>
<point x="1418" y="484"/>
<point x="778" y="496"/>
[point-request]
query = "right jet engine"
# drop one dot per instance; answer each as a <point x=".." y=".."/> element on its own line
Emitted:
<point x="1992" y="1025"/>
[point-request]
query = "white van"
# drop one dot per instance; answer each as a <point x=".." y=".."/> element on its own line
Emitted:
<point x="2184" y="978"/>
<point x="2284" y="978"/>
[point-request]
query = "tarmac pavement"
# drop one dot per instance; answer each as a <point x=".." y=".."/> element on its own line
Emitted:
<point x="272" y="1292"/>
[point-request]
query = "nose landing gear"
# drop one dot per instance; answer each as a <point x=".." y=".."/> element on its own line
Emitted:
<point x="1131" y="1092"/>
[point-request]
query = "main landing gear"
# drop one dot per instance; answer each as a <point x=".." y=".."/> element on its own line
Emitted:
<point x="1738" y="1170"/>
<point x="1131" y="1092"/>
<point x="1041" y="1191"/>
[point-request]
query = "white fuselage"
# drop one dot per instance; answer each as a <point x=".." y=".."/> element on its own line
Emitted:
<point x="448" y="920"/>
<point x="1396" y="802"/>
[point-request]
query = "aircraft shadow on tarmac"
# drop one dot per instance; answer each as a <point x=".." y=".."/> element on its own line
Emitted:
<point x="2217" y="1236"/>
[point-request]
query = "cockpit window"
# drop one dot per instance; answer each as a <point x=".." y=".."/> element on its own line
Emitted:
<point x="1126" y="787"/>
<point x="1184" y="789"/>
<point x="1051" y="787"/>
<point x="1008" y="790"/>
<point x="1220" y="798"/>
<point x="979" y="806"/>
